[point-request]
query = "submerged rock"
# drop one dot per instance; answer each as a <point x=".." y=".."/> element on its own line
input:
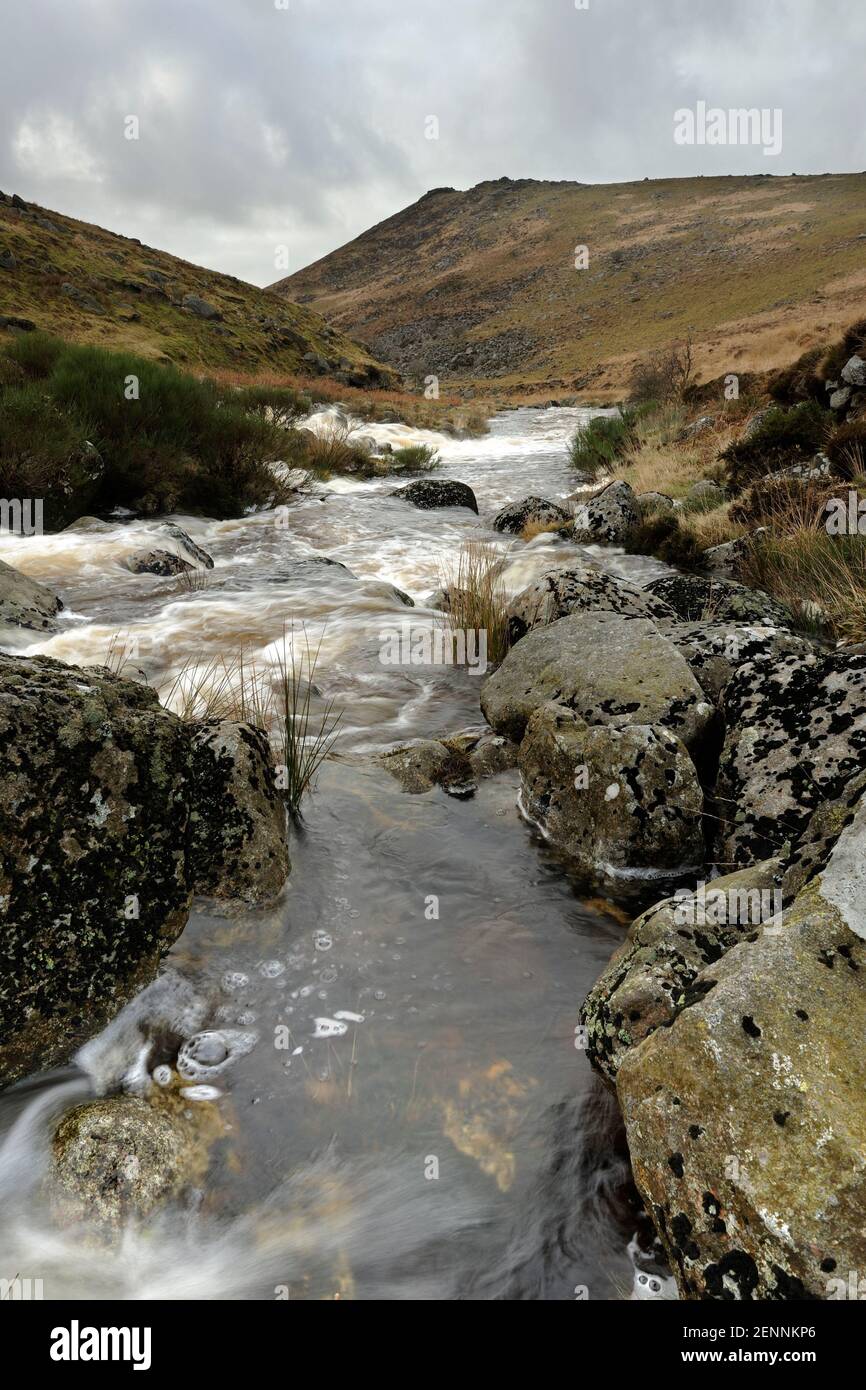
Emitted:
<point x="428" y="493"/>
<point x="456" y="764"/>
<point x="607" y="668"/>
<point x="26" y="603"/>
<point x="617" y="800"/>
<point x="118" y="1159"/>
<point x="186" y="542"/>
<point x="517" y="515"/>
<point x="576" y="588"/>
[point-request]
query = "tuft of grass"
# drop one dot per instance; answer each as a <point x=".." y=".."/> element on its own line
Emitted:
<point x="478" y="601"/>
<point x="35" y="353"/>
<point x="822" y="578"/>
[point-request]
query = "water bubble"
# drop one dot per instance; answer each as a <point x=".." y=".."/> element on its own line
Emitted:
<point x="162" y="1076"/>
<point x="200" y="1093"/>
<point x="233" y="980"/>
<point x="207" y="1054"/>
<point x="328" y="976"/>
<point x="330" y="1028"/>
<point x="271" y="968"/>
<point x="322" y="941"/>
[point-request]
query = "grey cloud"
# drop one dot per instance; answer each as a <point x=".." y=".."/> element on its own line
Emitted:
<point x="262" y="126"/>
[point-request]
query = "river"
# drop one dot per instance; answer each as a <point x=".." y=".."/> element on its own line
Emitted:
<point x="416" y="1119"/>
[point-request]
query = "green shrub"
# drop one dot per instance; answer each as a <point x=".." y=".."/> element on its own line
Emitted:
<point x="597" y="445"/>
<point x="783" y="438"/>
<point x="661" y="535"/>
<point x="46" y="453"/>
<point x="35" y="353"/>
<point x="279" y="404"/>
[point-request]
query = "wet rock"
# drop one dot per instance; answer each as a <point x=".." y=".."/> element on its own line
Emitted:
<point x="89" y="525"/>
<point x="694" y="599"/>
<point x="456" y="763"/>
<point x="576" y="588"/>
<point x="160" y="562"/>
<point x="616" y="800"/>
<point x="796" y="737"/>
<point x="111" y="811"/>
<point x="608" y="516"/>
<point x="26" y="603"/>
<point x="608" y="668"/>
<point x="201" y="308"/>
<point x="193" y="550"/>
<point x="649" y="978"/>
<point x="516" y="516"/>
<point x="744" y="1124"/>
<point x="117" y="1160"/>
<point x="429" y="493"/>
<point x="237" y="834"/>
<point x="715" y="650"/>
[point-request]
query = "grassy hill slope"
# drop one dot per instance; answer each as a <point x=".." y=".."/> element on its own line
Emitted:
<point x="89" y="285"/>
<point x="480" y="287"/>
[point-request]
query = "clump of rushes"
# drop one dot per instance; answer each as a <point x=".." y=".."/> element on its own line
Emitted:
<point x="596" y="446"/>
<point x="281" y="700"/>
<point x="414" y="458"/>
<point x="477" y="599"/>
<point x="822" y="579"/>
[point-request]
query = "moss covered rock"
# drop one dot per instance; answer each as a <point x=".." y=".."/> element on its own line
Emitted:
<point x="578" y="588"/>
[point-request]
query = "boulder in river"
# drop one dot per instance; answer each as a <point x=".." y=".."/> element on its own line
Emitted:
<point x="456" y="764"/>
<point x="608" y="516"/>
<point x="650" y="977"/>
<point x="26" y="603"/>
<point x="112" y="811"/>
<point x="744" y="1118"/>
<point x="517" y="515"/>
<point x="575" y="588"/>
<point x="617" y="800"/>
<point x="608" y="668"/>
<point x="193" y="550"/>
<point x="715" y="650"/>
<point x="160" y="562"/>
<point x="430" y="493"/>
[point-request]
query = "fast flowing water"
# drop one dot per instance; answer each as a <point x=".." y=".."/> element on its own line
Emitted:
<point x="413" y="1117"/>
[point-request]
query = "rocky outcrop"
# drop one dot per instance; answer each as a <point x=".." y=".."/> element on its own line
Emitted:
<point x="744" y="1118"/>
<point x="607" y="668"/>
<point x="429" y="493"/>
<point x="26" y="603"/>
<point x="650" y="977"/>
<point x="577" y="588"/>
<point x="617" y="800"/>
<point x="514" y="517"/>
<point x="796" y="737"/>
<point x="112" y="812"/>
<point x="719" y="600"/>
<point x="608" y="517"/>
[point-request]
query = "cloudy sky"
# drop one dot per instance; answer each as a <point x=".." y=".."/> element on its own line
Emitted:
<point x="300" y="123"/>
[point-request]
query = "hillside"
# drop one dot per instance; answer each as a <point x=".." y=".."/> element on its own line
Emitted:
<point x="92" y="286"/>
<point x="480" y="287"/>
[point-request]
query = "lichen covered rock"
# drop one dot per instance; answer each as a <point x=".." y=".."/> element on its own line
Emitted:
<point x="617" y="800"/>
<point x="609" y="516"/>
<point x="695" y="599"/>
<point x="429" y="493"/>
<point x="517" y="515"/>
<point x="607" y="668"/>
<point x="577" y="588"/>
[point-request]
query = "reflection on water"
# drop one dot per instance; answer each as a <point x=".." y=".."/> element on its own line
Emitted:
<point x="412" y="1121"/>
